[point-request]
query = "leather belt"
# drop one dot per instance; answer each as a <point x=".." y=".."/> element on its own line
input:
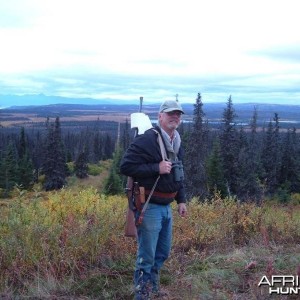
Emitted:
<point x="161" y="195"/>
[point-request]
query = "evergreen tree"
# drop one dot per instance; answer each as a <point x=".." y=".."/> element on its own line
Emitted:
<point x="81" y="165"/>
<point x="114" y="183"/>
<point x="97" y="147"/>
<point x="196" y="152"/>
<point x="38" y="155"/>
<point x="55" y="161"/>
<point x="290" y="167"/>
<point x="255" y="147"/>
<point x="255" y="165"/>
<point x="271" y="156"/>
<point x="9" y="169"/>
<point x="25" y="163"/>
<point x="215" y="172"/>
<point x="248" y="187"/>
<point x="108" y="147"/>
<point x="22" y="143"/>
<point x="69" y="157"/>
<point x="126" y="136"/>
<point x="26" y="173"/>
<point x="230" y="147"/>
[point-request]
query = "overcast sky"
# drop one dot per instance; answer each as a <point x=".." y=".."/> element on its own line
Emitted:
<point x="124" y="49"/>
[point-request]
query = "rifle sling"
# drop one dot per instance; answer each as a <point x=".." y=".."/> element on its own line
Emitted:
<point x="164" y="157"/>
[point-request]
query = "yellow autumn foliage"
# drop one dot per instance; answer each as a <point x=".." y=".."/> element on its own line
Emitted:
<point x="73" y="230"/>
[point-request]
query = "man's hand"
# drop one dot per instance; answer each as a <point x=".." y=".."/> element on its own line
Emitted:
<point x="182" y="210"/>
<point x="165" y="167"/>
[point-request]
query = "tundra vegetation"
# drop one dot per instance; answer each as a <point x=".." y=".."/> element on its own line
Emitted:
<point x="62" y="211"/>
<point x="70" y="244"/>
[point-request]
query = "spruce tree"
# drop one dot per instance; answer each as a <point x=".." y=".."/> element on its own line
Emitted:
<point x="126" y="136"/>
<point x="55" y="160"/>
<point x="38" y="154"/>
<point x="230" y="147"/>
<point x="81" y="165"/>
<point x="195" y="154"/>
<point x="26" y="174"/>
<point x="271" y="156"/>
<point x="108" y="147"/>
<point x="248" y="187"/>
<point x="114" y="182"/>
<point x="255" y="164"/>
<point x="215" y="172"/>
<point x="9" y="169"/>
<point x="97" y="145"/>
<point x="290" y="167"/>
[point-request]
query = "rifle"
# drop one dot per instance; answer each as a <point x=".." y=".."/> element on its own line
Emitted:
<point x="130" y="228"/>
<point x="140" y="122"/>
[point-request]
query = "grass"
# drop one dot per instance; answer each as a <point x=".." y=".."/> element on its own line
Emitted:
<point x="70" y="244"/>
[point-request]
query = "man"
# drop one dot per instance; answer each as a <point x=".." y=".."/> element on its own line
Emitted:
<point x="143" y="161"/>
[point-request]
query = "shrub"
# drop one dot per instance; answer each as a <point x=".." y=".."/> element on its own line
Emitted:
<point x="76" y="235"/>
<point x="95" y="169"/>
<point x="295" y="199"/>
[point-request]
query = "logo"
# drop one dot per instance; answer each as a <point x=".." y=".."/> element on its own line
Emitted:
<point x="281" y="284"/>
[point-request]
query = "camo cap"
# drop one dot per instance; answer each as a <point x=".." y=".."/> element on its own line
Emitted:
<point x="170" y="105"/>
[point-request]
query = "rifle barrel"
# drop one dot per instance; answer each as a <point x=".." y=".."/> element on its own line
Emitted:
<point x="141" y="104"/>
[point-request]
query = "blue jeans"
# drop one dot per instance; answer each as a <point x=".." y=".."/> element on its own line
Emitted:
<point x="154" y="246"/>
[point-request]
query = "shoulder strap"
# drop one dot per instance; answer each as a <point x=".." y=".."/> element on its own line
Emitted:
<point x="164" y="157"/>
<point x="161" y="145"/>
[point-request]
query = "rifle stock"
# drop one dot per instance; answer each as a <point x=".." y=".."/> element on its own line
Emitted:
<point x="141" y="123"/>
<point x="130" y="227"/>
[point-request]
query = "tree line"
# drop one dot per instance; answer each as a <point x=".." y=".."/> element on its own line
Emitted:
<point x="244" y="162"/>
<point x="249" y="163"/>
<point x="26" y="154"/>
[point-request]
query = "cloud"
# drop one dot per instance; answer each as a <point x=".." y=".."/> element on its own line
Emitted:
<point x="156" y="49"/>
<point x="284" y="53"/>
<point x="17" y="13"/>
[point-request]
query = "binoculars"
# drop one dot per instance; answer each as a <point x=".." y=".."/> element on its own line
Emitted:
<point x="177" y="170"/>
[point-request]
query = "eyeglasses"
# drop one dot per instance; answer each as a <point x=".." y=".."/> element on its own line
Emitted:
<point x="174" y="112"/>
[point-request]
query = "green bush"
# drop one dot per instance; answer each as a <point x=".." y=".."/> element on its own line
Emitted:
<point x="95" y="169"/>
<point x="295" y="199"/>
<point x="282" y="196"/>
<point x="71" y="167"/>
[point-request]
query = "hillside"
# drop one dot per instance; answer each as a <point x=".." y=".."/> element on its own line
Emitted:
<point x="70" y="244"/>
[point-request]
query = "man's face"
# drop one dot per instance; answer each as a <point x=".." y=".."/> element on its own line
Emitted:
<point x="170" y="120"/>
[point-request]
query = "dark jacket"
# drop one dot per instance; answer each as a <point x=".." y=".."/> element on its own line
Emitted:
<point x="141" y="161"/>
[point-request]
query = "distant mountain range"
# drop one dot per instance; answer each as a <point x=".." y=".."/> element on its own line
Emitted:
<point x="43" y="106"/>
<point x="41" y="99"/>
